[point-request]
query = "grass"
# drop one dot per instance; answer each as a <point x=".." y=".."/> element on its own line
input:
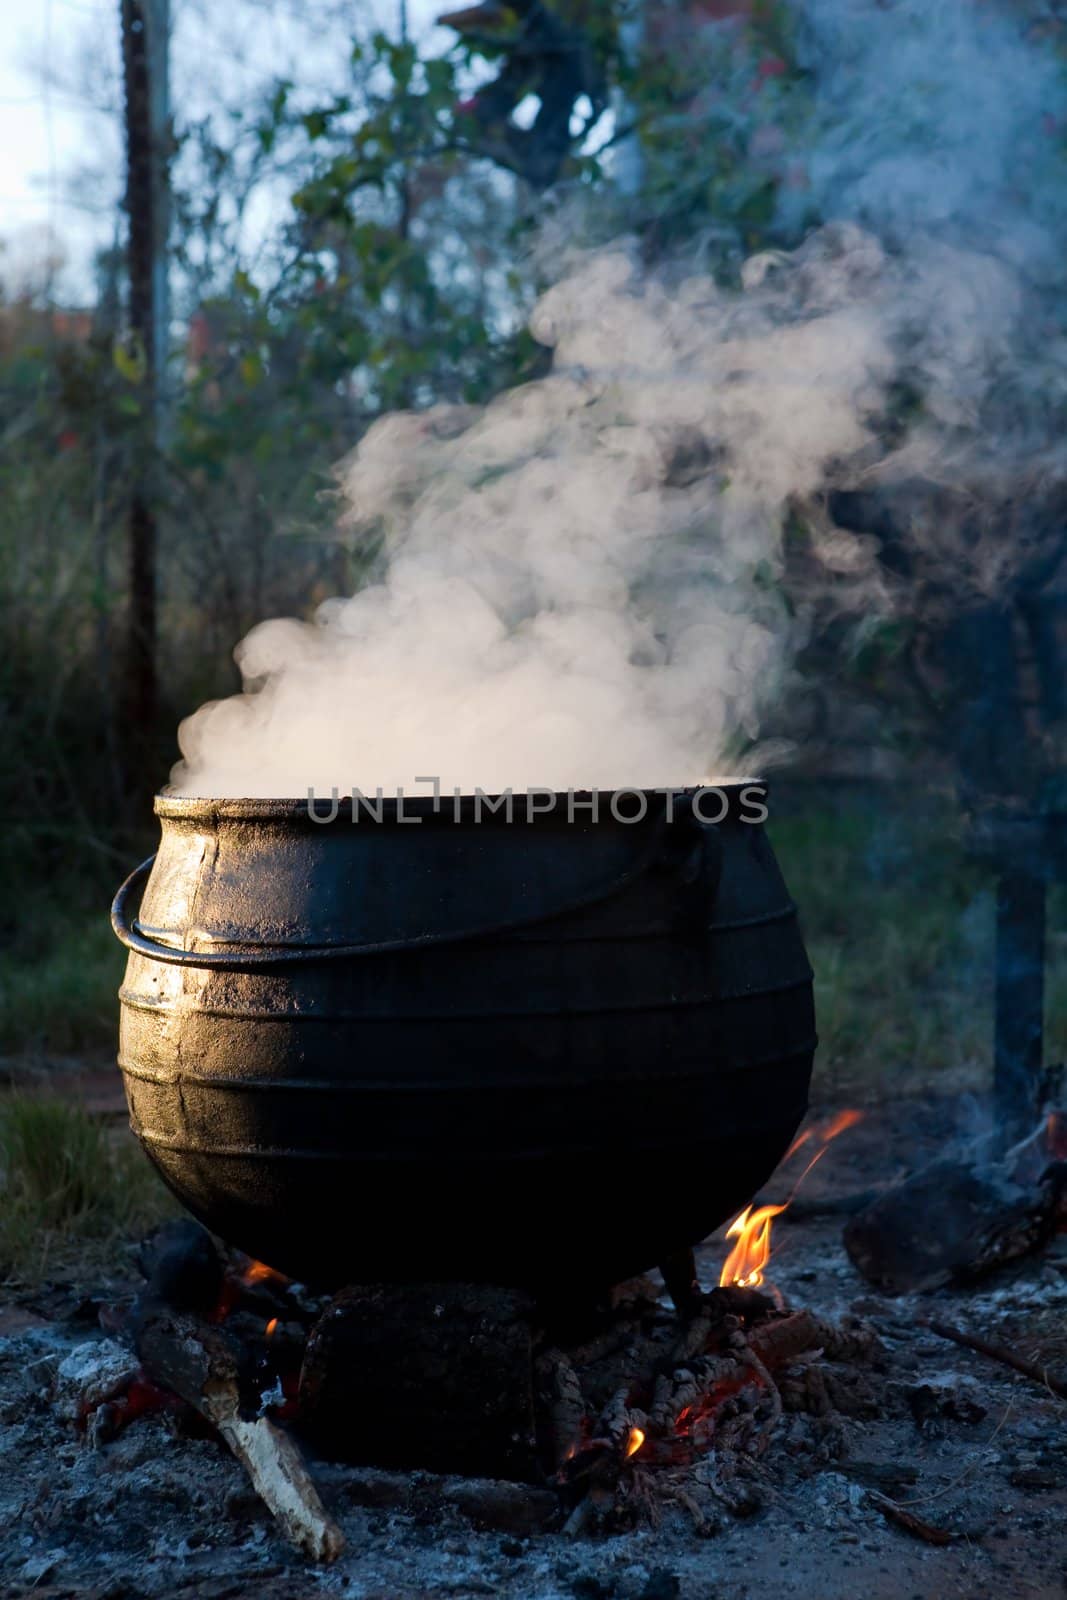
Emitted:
<point x="62" y="999"/>
<point x="900" y="929"/>
<point x="65" y="1183"/>
<point x="60" y="964"/>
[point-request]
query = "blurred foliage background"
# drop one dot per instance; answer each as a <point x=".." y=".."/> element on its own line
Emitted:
<point x="342" y="243"/>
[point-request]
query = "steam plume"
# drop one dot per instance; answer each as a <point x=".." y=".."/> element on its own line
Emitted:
<point x="582" y="577"/>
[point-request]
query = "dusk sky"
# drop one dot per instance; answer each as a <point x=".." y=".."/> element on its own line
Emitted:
<point x="48" y="133"/>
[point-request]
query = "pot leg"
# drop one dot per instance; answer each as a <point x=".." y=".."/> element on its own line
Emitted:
<point x="679" y="1272"/>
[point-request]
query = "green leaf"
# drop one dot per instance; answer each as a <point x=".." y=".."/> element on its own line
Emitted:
<point x="251" y="368"/>
<point x="440" y="78"/>
<point x="130" y="359"/>
<point x="316" y="123"/>
<point x="243" y="285"/>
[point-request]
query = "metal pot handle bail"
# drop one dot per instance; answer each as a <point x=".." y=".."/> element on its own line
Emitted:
<point x="701" y="885"/>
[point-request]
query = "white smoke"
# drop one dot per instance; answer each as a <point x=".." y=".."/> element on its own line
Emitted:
<point x="582" y="581"/>
<point x="938" y="115"/>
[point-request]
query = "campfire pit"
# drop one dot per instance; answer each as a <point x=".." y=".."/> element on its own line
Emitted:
<point x="600" y="1418"/>
<point x="600" y="1407"/>
<point x="918" y="1463"/>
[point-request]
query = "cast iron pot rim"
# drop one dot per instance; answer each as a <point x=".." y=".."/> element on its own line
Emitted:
<point x="173" y="806"/>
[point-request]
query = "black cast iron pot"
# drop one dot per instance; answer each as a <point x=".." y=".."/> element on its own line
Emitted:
<point x="452" y="1044"/>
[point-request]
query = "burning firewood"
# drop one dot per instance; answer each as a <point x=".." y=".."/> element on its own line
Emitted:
<point x="561" y="1400"/>
<point x="688" y="1387"/>
<point x="586" y="1406"/>
<point x="202" y="1364"/>
<point x="176" y="1329"/>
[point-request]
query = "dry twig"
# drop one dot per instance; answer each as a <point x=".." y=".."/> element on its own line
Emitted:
<point x="999" y="1352"/>
<point x="894" y="1512"/>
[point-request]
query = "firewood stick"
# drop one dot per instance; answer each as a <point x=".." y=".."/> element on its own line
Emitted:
<point x="694" y="1336"/>
<point x="701" y="1525"/>
<point x="614" y="1422"/>
<point x="998" y="1352"/>
<point x="751" y="1359"/>
<point x="907" y="1520"/>
<point x="779" y="1342"/>
<point x="851" y="1340"/>
<point x="561" y="1393"/>
<point x="685" y="1388"/>
<point x="579" y="1519"/>
<point x="200" y="1364"/>
<point x="279" y="1477"/>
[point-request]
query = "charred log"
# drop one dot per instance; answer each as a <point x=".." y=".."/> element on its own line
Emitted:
<point x="182" y="1266"/>
<point x="908" y="1521"/>
<point x="429" y="1375"/>
<point x="953" y="1223"/>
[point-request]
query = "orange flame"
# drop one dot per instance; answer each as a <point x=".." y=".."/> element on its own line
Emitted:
<point x="635" y="1441"/>
<point x="744" y="1266"/>
<point x="840" y="1123"/>
<point x="746" y="1261"/>
<point x="271" y="1328"/>
<point x="800" y="1140"/>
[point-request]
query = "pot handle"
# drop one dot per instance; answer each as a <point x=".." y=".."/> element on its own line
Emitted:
<point x="699" y="868"/>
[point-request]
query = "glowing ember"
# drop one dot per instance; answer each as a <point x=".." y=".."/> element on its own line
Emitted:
<point x="746" y="1261"/>
<point x="259" y="1272"/>
<point x="271" y="1327"/>
<point x="635" y="1441"/>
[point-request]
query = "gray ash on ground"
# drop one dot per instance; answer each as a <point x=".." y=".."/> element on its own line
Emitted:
<point x="971" y="1450"/>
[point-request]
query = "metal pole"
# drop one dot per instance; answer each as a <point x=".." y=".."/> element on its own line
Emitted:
<point x="157" y="22"/>
<point x="1020" y="1000"/>
<point x="144" y="47"/>
<point x="629" y="162"/>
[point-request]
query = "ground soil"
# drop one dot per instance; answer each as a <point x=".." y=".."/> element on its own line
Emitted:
<point x="156" y="1514"/>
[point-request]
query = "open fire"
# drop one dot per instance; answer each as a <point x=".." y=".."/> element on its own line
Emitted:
<point x="578" y="1416"/>
<point x="610" y="1403"/>
<point x="605" y="1408"/>
<point x="745" y="1265"/>
<point x="752" y="1229"/>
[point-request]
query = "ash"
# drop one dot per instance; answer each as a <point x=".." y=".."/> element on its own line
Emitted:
<point x="973" y="1455"/>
